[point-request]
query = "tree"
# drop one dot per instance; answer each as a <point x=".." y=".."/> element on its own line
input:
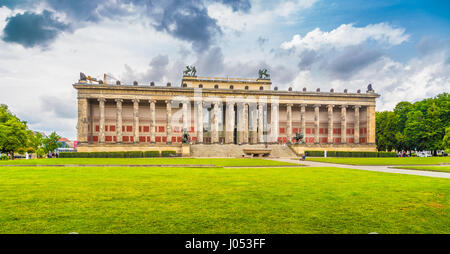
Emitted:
<point x="446" y="139"/>
<point x="13" y="135"/>
<point x="51" y="142"/>
<point x="35" y="140"/>
<point x="386" y="130"/>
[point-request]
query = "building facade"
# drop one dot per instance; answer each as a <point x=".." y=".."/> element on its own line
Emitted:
<point x="221" y="111"/>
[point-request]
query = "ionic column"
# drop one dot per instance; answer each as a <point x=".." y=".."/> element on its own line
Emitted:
<point x="229" y="127"/>
<point x="303" y="119"/>
<point x="152" y="120"/>
<point x="274" y="122"/>
<point x="200" y="105"/>
<point x="246" y="123"/>
<point x="371" y="124"/>
<point x="343" y="124"/>
<point x="101" y="102"/>
<point x="253" y="131"/>
<point x="136" y="119"/>
<point x="82" y="126"/>
<point x="260" y="123"/>
<point x="215" y="123"/>
<point x="289" y="122"/>
<point x="240" y="122"/>
<point x="119" y="120"/>
<point x="185" y="116"/>
<point x="169" y="122"/>
<point x="316" y="123"/>
<point x="330" y="124"/>
<point x="356" y="135"/>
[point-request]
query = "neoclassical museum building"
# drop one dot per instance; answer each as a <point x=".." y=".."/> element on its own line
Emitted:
<point x="222" y="116"/>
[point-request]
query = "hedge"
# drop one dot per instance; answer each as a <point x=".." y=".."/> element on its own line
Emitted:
<point x="127" y="154"/>
<point x="350" y="154"/>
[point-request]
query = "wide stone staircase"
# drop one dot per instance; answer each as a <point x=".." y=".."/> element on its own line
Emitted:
<point x="231" y="150"/>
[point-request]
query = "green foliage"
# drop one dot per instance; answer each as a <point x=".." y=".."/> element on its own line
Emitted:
<point x="13" y="132"/>
<point x="51" y="142"/>
<point x="4" y="157"/>
<point x="148" y="154"/>
<point x="40" y="152"/>
<point x="350" y="154"/>
<point x="446" y="139"/>
<point x="418" y="126"/>
<point x="168" y="154"/>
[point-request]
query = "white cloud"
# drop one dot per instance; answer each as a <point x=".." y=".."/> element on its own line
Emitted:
<point x="414" y="80"/>
<point x="259" y="14"/>
<point x="347" y="35"/>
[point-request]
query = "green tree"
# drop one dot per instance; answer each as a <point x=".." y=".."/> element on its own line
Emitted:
<point x="51" y="142"/>
<point x="386" y="130"/>
<point x="13" y="135"/>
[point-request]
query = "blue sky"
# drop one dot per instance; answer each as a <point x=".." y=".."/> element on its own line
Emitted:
<point x="401" y="47"/>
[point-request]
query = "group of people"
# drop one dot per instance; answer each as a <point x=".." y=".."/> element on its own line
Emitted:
<point x="403" y="154"/>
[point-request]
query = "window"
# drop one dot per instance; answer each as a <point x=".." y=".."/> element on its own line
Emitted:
<point x="261" y="88"/>
<point x="97" y="128"/>
<point x="184" y="85"/>
<point x="146" y="128"/>
<point x="246" y="87"/>
<point x="129" y="128"/>
<point x="231" y="87"/>
<point x="200" y="86"/>
<point x="216" y="86"/>
<point x="112" y="128"/>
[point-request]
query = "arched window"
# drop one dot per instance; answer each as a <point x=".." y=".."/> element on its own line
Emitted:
<point x="231" y="87"/>
<point x="184" y="85"/>
<point x="246" y="87"/>
<point x="216" y="86"/>
<point x="200" y="86"/>
<point x="261" y="88"/>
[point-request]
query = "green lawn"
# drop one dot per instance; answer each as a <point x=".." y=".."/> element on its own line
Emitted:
<point x="149" y="161"/>
<point x="428" y="168"/>
<point x="385" y="161"/>
<point x="219" y="200"/>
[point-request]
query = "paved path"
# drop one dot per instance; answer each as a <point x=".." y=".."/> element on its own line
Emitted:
<point x="387" y="169"/>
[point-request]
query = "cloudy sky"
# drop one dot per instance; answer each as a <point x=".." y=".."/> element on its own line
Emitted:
<point x="401" y="47"/>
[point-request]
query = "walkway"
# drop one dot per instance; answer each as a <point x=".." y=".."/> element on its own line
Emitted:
<point x="386" y="169"/>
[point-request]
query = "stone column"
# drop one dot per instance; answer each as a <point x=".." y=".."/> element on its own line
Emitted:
<point x="240" y="122"/>
<point x="82" y="126"/>
<point x="229" y="125"/>
<point x="330" y="124"/>
<point x="200" y="105"/>
<point x="260" y="123"/>
<point x="253" y="130"/>
<point x="245" y="123"/>
<point x="169" y="122"/>
<point x="119" y="120"/>
<point x="101" y="102"/>
<point x="289" y="122"/>
<point x="343" y="124"/>
<point x="303" y="119"/>
<point x="185" y="116"/>
<point x="215" y="123"/>
<point x="274" y="119"/>
<point x="316" y="123"/>
<point x="136" y="119"/>
<point x="371" y="124"/>
<point x="152" y="120"/>
<point x="356" y="136"/>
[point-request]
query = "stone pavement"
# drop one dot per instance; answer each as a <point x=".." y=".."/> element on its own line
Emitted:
<point x="387" y="169"/>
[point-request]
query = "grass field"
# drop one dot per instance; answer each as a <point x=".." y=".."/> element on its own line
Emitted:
<point x="220" y="162"/>
<point x="428" y="168"/>
<point x="219" y="200"/>
<point x="385" y="161"/>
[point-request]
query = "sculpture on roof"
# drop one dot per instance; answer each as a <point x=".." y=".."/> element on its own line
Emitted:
<point x="263" y="74"/>
<point x="190" y="71"/>
<point x="370" y="89"/>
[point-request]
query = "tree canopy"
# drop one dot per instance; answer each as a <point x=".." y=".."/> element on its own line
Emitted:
<point x="414" y="126"/>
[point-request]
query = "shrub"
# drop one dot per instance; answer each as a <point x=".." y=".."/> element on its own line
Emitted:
<point x="4" y="157"/>
<point x="314" y="153"/>
<point x="148" y="154"/>
<point x="168" y="154"/>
